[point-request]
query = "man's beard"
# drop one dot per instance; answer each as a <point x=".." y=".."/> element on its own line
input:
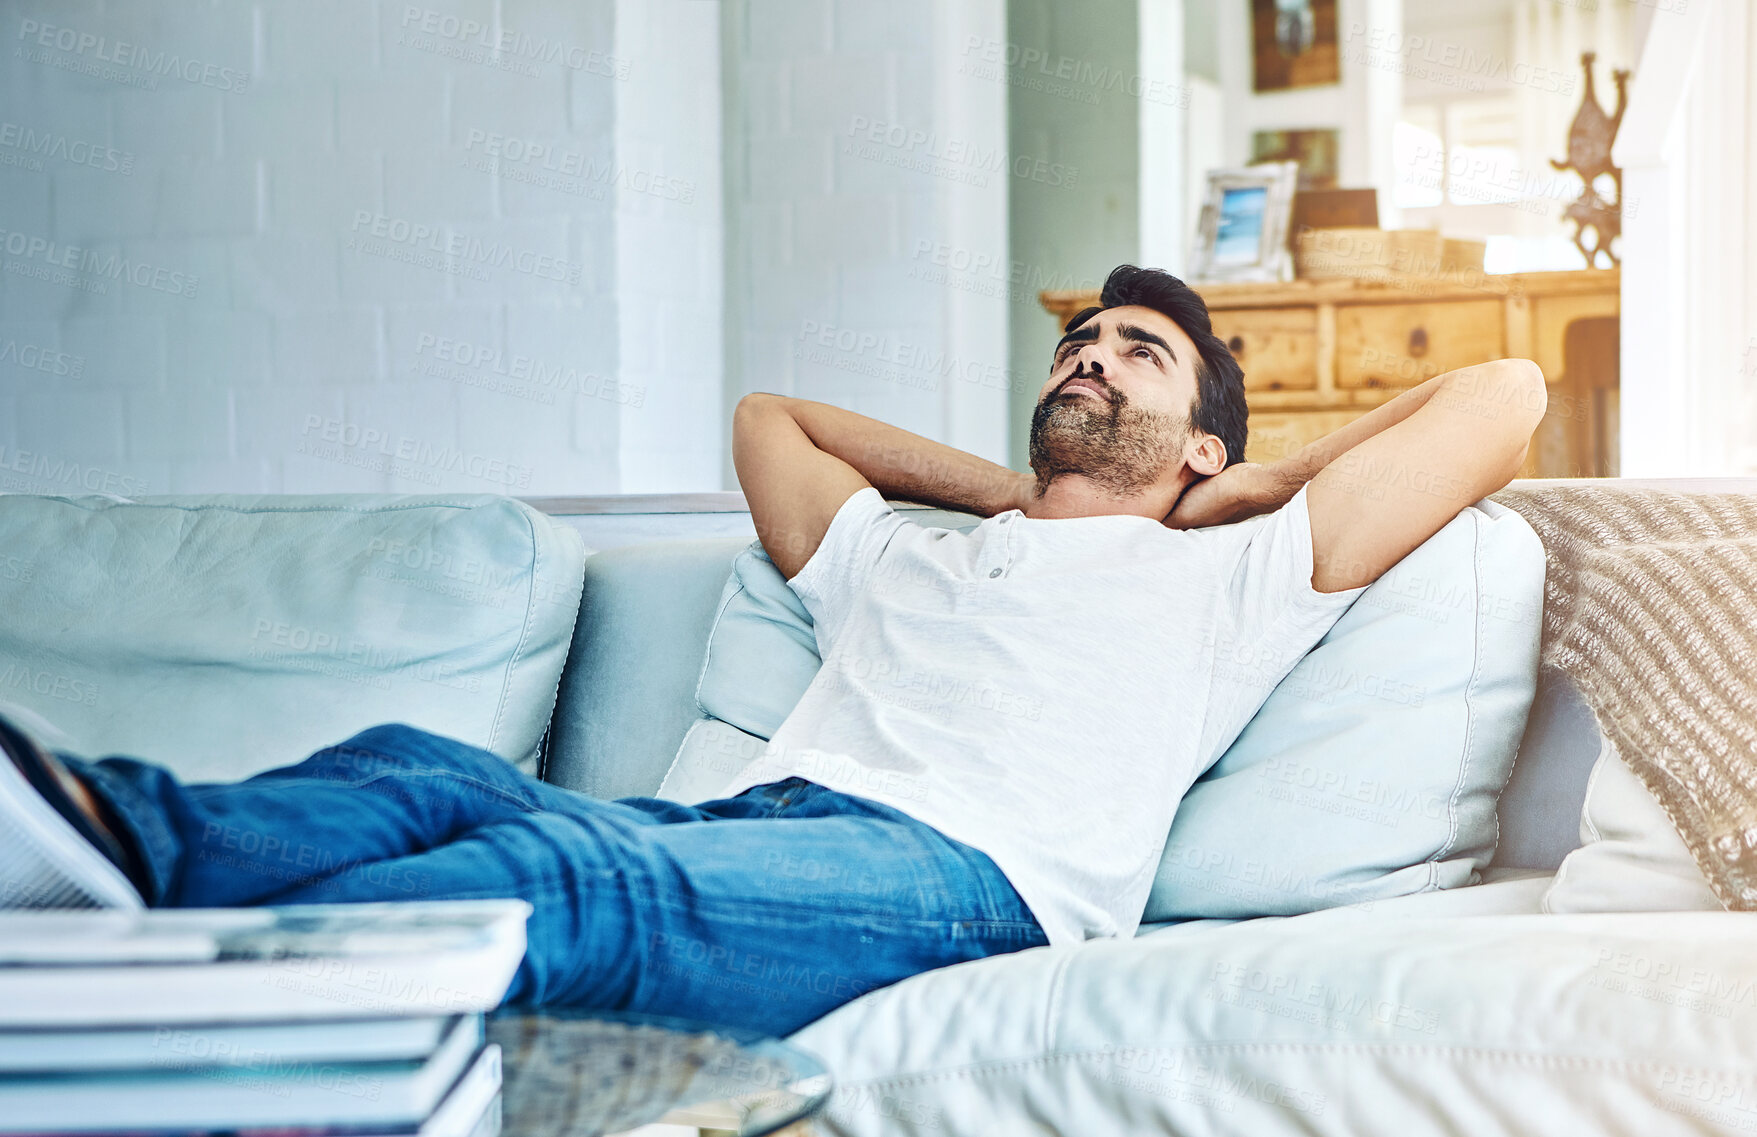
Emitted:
<point x="1120" y="447"/>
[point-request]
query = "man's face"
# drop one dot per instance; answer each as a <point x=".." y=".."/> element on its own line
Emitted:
<point x="1117" y="404"/>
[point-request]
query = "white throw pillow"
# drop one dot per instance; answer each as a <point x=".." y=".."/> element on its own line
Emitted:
<point x="1631" y="858"/>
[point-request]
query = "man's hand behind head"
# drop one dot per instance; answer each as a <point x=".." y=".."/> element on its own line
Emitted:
<point x="1242" y="490"/>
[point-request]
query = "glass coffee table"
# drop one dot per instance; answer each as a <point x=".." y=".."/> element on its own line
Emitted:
<point x="586" y="1073"/>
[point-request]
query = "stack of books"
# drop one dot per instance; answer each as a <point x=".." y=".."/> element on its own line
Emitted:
<point x="347" y="1019"/>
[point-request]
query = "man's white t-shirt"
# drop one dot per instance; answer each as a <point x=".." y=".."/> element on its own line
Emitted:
<point x="1044" y="690"/>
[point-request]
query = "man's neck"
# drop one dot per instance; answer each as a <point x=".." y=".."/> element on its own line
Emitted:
<point x="1075" y="495"/>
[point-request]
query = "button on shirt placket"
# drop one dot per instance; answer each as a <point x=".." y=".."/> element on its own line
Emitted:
<point x="1002" y="545"/>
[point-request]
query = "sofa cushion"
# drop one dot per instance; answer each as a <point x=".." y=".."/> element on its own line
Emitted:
<point x="627" y="693"/>
<point x="711" y="754"/>
<point x="1632" y="858"/>
<point x="1502" y="892"/>
<point x="1335" y="1023"/>
<point x="1373" y="769"/>
<point x="1375" y="763"/>
<point x="762" y="652"/>
<point x="1539" y="811"/>
<point x="222" y="635"/>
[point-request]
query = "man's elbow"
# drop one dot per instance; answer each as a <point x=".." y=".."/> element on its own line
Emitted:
<point x="1527" y="394"/>
<point x="753" y="403"/>
<point x="751" y="410"/>
<point x="1508" y="397"/>
<point x="1525" y="398"/>
<point x="748" y="417"/>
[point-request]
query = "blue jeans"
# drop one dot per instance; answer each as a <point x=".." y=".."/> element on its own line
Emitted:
<point x="764" y="910"/>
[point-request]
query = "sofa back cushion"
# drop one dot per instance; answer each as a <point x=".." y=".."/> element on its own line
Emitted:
<point x="222" y="635"/>
<point x="627" y="696"/>
<point x="1632" y="858"/>
<point x="762" y="651"/>
<point x="1371" y="771"/>
<point x="1539" y="811"/>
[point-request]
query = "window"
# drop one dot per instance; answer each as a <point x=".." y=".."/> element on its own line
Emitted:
<point x="1461" y="170"/>
<point x="1460" y="152"/>
<point x="1482" y="153"/>
<point x="1420" y="154"/>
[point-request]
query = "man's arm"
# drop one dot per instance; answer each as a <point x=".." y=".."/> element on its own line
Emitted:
<point x="799" y="460"/>
<point x="1389" y="480"/>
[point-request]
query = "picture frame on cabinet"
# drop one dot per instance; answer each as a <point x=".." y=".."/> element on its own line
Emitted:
<point x="1241" y="233"/>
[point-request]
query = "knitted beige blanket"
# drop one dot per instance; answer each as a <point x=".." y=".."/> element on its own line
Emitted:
<point x="1650" y="606"/>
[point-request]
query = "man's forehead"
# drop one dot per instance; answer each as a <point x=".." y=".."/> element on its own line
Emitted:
<point x="1110" y="319"/>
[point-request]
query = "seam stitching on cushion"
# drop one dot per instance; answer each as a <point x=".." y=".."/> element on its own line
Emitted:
<point x="1469" y="698"/>
<point x="555" y="693"/>
<point x="1054" y="1004"/>
<point x="1592" y="783"/>
<point x="677" y="755"/>
<point x="524" y="632"/>
<point x="1555" y="883"/>
<point x="1492" y="1053"/>
<point x="713" y="629"/>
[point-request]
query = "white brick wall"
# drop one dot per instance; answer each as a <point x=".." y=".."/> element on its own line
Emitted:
<point x="857" y="149"/>
<point x="297" y="193"/>
<point x="268" y="341"/>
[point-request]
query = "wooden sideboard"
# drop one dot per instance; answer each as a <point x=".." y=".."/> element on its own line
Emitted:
<point x="1317" y="353"/>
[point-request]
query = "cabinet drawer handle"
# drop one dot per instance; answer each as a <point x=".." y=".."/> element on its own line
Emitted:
<point x="1418" y="341"/>
<point x="1236" y="344"/>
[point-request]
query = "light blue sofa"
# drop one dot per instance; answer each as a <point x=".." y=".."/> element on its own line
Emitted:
<point x="182" y="630"/>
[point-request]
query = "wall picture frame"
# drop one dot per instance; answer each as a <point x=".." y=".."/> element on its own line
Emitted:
<point x="1318" y="152"/>
<point x="1294" y="44"/>
<point x="1241" y="233"/>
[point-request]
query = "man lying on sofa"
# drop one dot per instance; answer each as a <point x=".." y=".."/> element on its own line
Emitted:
<point x="1140" y="593"/>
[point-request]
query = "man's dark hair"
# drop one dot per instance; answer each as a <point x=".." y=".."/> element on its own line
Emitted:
<point x="1219" y="407"/>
